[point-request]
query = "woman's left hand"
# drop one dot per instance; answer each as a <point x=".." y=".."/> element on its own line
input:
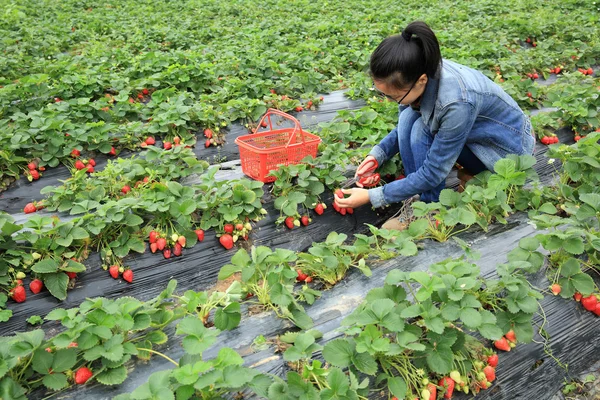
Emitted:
<point x="358" y="197"/>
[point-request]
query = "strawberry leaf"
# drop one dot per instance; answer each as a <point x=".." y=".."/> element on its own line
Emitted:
<point x="56" y="284"/>
<point x="112" y="376"/>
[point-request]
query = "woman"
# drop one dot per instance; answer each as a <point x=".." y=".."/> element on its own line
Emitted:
<point x="448" y="113"/>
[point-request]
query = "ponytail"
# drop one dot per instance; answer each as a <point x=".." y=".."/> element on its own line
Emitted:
<point x="400" y="60"/>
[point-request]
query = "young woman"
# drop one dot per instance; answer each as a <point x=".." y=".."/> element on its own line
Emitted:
<point x="448" y="113"/>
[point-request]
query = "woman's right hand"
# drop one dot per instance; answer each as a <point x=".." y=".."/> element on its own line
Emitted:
<point x="366" y="172"/>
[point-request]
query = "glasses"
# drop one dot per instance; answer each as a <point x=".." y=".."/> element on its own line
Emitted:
<point x="387" y="96"/>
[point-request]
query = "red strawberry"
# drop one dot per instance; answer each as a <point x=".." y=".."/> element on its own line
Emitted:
<point x="181" y="240"/>
<point x="299" y="108"/>
<point x="82" y="375"/>
<point x="350" y="210"/>
<point x="589" y="303"/>
<point x="126" y="189"/>
<point x="577" y="296"/>
<point x="448" y="383"/>
<point x="79" y="165"/>
<point x="167" y="145"/>
<point x="131" y="100"/>
<point x="343" y="210"/>
<point x="226" y="241"/>
<point x="336" y="207"/>
<point x="510" y="336"/>
<point x="545" y="140"/>
<point x="490" y="373"/>
<point x="554" y="139"/>
<point x="90" y="169"/>
<point x="114" y="271"/>
<point x="208" y="133"/>
<point x="35" y="175"/>
<point x="150" y="140"/>
<point x="112" y="151"/>
<point x="289" y="222"/>
<point x="493" y="360"/>
<point x="239" y="227"/>
<point x="535" y="76"/>
<point x="308" y="279"/>
<point x="167" y="253"/>
<point x="92" y="162"/>
<point x="228" y="228"/>
<point x="31" y="166"/>
<point x="590" y="71"/>
<point x="301" y="276"/>
<point x="304" y="220"/>
<point x="152" y="237"/>
<point x="597" y="310"/>
<point x="502" y="344"/>
<point x="177" y="249"/>
<point x="319" y="209"/>
<point x="528" y="40"/>
<point x="529" y="94"/>
<point x="577" y="138"/>
<point x="29" y="208"/>
<point x="145" y="91"/>
<point x="128" y="275"/>
<point x="176" y="140"/>
<point x="140" y="96"/>
<point x="36" y="286"/>
<point x="207" y="143"/>
<point x="143" y="144"/>
<point x="153" y="247"/>
<point x="339" y="193"/>
<point x="200" y="234"/>
<point x="161" y="243"/>
<point x="432" y="391"/>
<point x="555" y="288"/>
<point x="18" y="294"/>
<point x="75" y="153"/>
<point x="71" y="275"/>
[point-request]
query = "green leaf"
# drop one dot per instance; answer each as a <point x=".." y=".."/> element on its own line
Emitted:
<point x="45" y="266"/>
<point x="339" y="352"/>
<point x="470" y="317"/>
<point x="397" y="386"/>
<point x="55" y="381"/>
<point x="112" y="376"/>
<point x="228" y="317"/>
<point x="64" y="359"/>
<point x="583" y="283"/>
<point x="56" y="284"/>
<point x="440" y="359"/>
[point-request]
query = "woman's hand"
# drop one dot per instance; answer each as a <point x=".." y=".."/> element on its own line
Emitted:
<point x="358" y="197"/>
<point x="365" y="171"/>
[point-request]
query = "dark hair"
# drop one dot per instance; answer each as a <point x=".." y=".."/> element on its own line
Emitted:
<point x="400" y="60"/>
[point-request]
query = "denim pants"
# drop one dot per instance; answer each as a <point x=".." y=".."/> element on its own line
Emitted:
<point x="415" y="139"/>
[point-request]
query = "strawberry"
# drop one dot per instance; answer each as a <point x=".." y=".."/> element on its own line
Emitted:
<point x="590" y="71"/>
<point x="29" y="208"/>
<point x="31" y="166"/>
<point x="145" y="91"/>
<point x="79" y="165"/>
<point x="577" y="138"/>
<point x="161" y="243"/>
<point x="152" y="237"/>
<point x="18" y="294"/>
<point x="510" y="335"/>
<point x="128" y="275"/>
<point x="92" y="162"/>
<point x="597" y="309"/>
<point x="304" y="220"/>
<point x="493" y="360"/>
<point x="502" y="344"/>
<point x="447" y="383"/>
<point x="125" y="189"/>
<point x="528" y="40"/>
<point x="181" y="240"/>
<point x="140" y="96"/>
<point x="239" y="227"/>
<point x="42" y="168"/>
<point x="72" y="345"/>
<point x="112" y="151"/>
<point x="167" y="145"/>
<point x="319" y="209"/>
<point x="535" y="76"/>
<point x="529" y="94"/>
<point x="343" y="210"/>
<point x="228" y="228"/>
<point x="143" y="144"/>
<point x="131" y="100"/>
<point x="200" y="234"/>
<point x="301" y="276"/>
<point x="308" y="279"/>
<point x="153" y="247"/>
<point x="299" y="108"/>
<point x="36" y="286"/>
<point x="150" y="140"/>
<point x="114" y="271"/>
<point x="207" y="143"/>
<point x="90" y="169"/>
<point x="75" y="153"/>
<point x="577" y="296"/>
<point x="176" y="140"/>
<point x="555" y="288"/>
<point x="589" y="303"/>
<point x="167" y="253"/>
<point x="336" y="207"/>
<point x="208" y="133"/>
<point x="289" y="222"/>
<point x="490" y="373"/>
<point x="339" y="193"/>
<point x="177" y="249"/>
<point x="82" y="375"/>
<point x="71" y="275"/>
<point x="545" y="140"/>
<point x="350" y="210"/>
<point x="432" y="391"/>
<point x="35" y="175"/>
<point x="226" y="241"/>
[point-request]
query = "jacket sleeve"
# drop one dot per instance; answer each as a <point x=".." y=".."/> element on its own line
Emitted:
<point x="457" y="120"/>
<point x="387" y="148"/>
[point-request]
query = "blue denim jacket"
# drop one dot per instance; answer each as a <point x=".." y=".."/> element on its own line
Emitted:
<point x="461" y="107"/>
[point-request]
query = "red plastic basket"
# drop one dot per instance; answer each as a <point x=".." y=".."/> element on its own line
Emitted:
<point x="262" y="152"/>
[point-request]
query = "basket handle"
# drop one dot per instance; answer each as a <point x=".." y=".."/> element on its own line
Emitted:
<point x="297" y="126"/>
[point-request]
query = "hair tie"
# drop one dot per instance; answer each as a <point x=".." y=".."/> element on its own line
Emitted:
<point x="406" y="36"/>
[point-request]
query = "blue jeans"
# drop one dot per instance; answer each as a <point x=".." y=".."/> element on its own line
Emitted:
<point x="415" y="139"/>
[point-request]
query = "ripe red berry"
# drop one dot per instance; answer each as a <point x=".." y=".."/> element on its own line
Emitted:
<point x="36" y="286"/>
<point x="128" y="275"/>
<point x="79" y="165"/>
<point x="82" y="375"/>
<point x="150" y="140"/>
<point x="167" y="145"/>
<point x="200" y="234"/>
<point x="18" y="294"/>
<point x="35" y="175"/>
<point x="112" y="151"/>
<point x="29" y="208"/>
<point x="75" y="153"/>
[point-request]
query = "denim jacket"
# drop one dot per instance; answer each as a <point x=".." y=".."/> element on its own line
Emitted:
<point x="461" y="107"/>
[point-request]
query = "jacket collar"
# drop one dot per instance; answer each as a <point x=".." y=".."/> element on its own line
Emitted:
<point x="429" y="99"/>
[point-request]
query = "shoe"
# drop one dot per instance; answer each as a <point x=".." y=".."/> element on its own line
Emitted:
<point x="402" y="219"/>
<point x="464" y="177"/>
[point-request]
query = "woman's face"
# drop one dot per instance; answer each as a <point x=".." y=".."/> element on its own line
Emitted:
<point x="403" y="96"/>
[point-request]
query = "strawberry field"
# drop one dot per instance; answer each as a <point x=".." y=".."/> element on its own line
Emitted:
<point x="138" y="262"/>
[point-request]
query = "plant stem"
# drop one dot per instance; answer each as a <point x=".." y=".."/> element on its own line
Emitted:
<point x="160" y="354"/>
